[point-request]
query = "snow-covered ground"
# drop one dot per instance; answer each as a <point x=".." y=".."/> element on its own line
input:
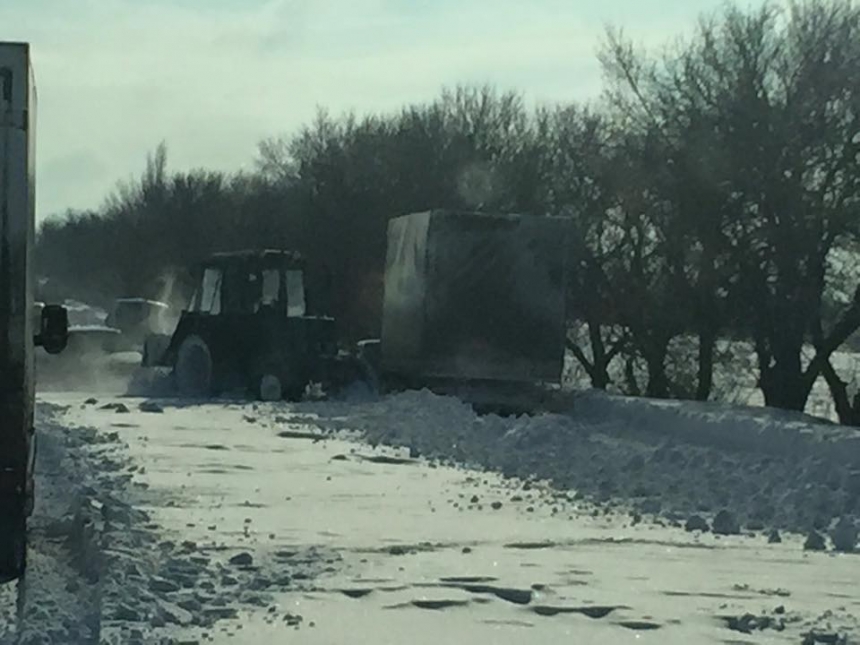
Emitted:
<point x="735" y="374"/>
<point x="768" y="469"/>
<point x="359" y="522"/>
<point x="59" y="601"/>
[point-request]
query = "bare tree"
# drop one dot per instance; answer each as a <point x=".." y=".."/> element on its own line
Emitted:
<point x="574" y="182"/>
<point x="773" y="96"/>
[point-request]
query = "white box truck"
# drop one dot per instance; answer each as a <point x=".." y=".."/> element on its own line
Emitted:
<point x="18" y="332"/>
<point x="474" y="297"/>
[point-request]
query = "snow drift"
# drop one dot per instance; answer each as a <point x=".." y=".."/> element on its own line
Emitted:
<point x="666" y="461"/>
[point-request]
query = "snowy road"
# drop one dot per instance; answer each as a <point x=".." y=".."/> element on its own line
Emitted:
<point x="240" y="522"/>
<point x="60" y="599"/>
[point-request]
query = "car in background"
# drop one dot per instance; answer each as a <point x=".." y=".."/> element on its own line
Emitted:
<point x="135" y="319"/>
<point x="103" y="347"/>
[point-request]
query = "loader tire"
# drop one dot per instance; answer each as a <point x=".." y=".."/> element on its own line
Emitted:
<point x="275" y="380"/>
<point x="270" y="388"/>
<point x="194" y="368"/>
<point x="13" y="546"/>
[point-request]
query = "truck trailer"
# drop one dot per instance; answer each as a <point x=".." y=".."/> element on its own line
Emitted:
<point x="19" y="332"/>
<point x="473" y="297"/>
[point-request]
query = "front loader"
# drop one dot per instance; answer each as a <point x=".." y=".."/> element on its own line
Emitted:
<point x="251" y="327"/>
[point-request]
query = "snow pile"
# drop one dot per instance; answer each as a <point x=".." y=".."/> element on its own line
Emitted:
<point x="58" y="600"/>
<point x="160" y="588"/>
<point x="153" y="587"/>
<point x="740" y="428"/>
<point x="101" y="570"/>
<point x="617" y="461"/>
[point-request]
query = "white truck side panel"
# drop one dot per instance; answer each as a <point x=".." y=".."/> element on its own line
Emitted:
<point x="17" y="223"/>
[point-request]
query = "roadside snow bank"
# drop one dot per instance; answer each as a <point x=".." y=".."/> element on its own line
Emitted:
<point x="101" y="570"/>
<point x="614" y="455"/>
<point x="59" y="598"/>
<point x="155" y="585"/>
<point x="748" y="429"/>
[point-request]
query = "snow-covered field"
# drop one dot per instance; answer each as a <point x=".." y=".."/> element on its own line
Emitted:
<point x="412" y="519"/>
<point x="735" y="374"/>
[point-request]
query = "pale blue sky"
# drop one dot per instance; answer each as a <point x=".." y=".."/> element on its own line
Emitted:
<point x="212" y="77"/>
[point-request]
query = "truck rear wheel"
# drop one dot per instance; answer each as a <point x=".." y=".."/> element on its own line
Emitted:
<point x="270" y="388"/>
<point x="194" y="368"/>
<point x="13" y="546"/>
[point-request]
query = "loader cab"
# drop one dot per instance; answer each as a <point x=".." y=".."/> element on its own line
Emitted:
<point x="254" y="282"/>
<point x="249" y="325"/>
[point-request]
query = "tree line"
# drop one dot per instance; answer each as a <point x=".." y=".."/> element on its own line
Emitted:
<point x="714" y="191"/>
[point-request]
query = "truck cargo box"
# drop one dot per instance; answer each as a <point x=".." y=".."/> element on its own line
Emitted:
<point x="17" y="122"/>
<point x="475" y="297"/>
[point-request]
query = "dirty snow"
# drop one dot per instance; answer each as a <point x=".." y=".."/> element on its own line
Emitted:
<point x="348" y="542"/>
<point x="58" y="602"/>
<point x="411" y="517"/>
<point x="158" y="582"/>
<point x="619" y="454"/>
